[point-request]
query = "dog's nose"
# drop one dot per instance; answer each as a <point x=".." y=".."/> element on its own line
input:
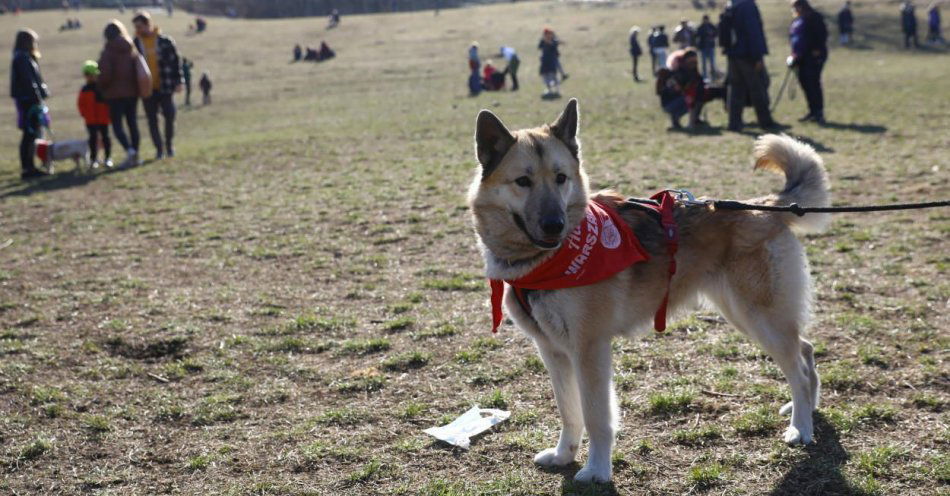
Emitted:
<point x="552" y="226"/>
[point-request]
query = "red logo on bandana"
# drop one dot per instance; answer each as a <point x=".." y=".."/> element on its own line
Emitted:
<point x="599" y="247"/>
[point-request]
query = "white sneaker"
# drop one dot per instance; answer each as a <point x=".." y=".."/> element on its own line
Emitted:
<point x="94" y="164"/>
<point x="108" y="163"/>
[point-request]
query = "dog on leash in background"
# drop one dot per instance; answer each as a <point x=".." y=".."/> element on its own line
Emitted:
<point x="49" y="152"/>
<point x="530" y="193"/>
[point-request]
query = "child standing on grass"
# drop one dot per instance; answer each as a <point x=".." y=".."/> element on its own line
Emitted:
<point x="95" y="111"/>
<point x="205" y="85"/>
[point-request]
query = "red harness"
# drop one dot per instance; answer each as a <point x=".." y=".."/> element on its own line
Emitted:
<point x="598" y="248"/>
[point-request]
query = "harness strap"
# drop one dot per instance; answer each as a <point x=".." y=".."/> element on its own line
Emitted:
<point x="667" y="201"/>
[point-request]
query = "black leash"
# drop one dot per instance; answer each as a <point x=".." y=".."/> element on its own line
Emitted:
<point x="800" y="211"/>
<point x="638" y="204"/>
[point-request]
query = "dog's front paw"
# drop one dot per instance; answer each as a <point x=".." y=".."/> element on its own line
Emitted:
<point x="795" y="437"/>
<point x="551" y="457"/>
<point x="592" y="473"/>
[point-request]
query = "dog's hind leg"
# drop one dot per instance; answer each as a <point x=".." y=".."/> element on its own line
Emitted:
<point x="600" y="408"/>
<point x="779" y="337"/>
<point x="567" y="396"/>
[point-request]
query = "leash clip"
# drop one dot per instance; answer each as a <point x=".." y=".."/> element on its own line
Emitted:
<point x="685" y="197"/>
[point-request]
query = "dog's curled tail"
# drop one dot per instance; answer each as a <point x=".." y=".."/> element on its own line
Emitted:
<point x="806" y="181"/>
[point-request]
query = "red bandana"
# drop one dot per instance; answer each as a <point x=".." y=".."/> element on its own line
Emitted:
<point x="599" y="247"/>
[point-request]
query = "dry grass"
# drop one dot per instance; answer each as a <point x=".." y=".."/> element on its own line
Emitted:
<point x="285" y="306"/>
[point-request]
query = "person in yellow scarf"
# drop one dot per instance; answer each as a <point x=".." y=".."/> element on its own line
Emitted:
<point x="163" y="61"/>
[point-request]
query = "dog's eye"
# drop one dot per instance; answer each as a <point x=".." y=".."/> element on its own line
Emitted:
<point x="561" y="179"/>
<point x="523" y="181"/>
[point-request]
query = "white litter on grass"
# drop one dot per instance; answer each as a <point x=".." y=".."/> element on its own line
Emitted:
<point x="473" y="422"/>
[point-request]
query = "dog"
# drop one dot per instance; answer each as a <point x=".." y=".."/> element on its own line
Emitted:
<point x="49" y="152"/>
<point x="529" y="198"/>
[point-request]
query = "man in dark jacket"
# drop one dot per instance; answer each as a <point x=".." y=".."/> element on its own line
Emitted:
<point x="809" y="40"/>
<point x="909" y="24"/>
<point x="706" y="35"/>
<point x="845" y="23"/>
<point x="161" y="54"/>
<point x="745" y="50"/>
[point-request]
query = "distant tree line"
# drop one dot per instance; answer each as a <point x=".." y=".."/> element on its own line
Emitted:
<point x="58" y="4"/>
<point x="298" y="8"/>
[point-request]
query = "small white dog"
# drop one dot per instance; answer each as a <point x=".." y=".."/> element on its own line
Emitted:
<point x="50" y="152"/>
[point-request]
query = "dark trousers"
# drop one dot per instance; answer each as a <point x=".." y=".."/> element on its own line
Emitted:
<point x="31" y="131"/>
<point x="652" y="61"/>
<point x="746" y="83"/>
<point x="125" y="109"/>
<point x="809" y="76"/>
<point x="636" y="59"/>
<point x="95" y="132"/>
<point x="911" y="37"/>
<point x="160" y="102"/>
<point x="512" y="71"/>
<point x="188" y="90"/>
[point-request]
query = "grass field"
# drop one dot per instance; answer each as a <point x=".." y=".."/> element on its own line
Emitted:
<point x="286" y="305"/>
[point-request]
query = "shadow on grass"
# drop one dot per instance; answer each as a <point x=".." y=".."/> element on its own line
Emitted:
<point x="63" y="180"/>
<point x="817" y="145"/>
<point x="820" y="473"/>
<point x="860" y="128"/>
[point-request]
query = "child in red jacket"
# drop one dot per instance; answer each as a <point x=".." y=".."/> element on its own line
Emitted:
<point x="95" y="112"/>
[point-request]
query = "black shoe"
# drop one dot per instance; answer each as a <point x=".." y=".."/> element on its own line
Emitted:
<point x="819" y="119"/>
<point x="773" y="126"/>
<point x="31" y="174"/>
<point x="808" y="117"/>
<point x="734" y="128"/>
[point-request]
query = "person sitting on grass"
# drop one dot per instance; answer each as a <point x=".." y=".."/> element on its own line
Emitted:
<point x="298" y="53"/>
<point x="325" y="52"/>
<point x="488" y="74"/>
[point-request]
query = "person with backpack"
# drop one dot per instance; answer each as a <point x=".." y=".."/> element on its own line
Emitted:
<point x="706" y="35"/>
<point x="635" y="51"/>
<point x="28" y="92"/>
<point x="742" y="39"/>
<point x="845" y="24"/>
<point x="118" y="81"/>
<point x="161" y="54"/>
<point x="808" y="37"/>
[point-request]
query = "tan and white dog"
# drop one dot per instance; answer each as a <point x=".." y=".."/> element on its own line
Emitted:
<point x="530" y="192"/>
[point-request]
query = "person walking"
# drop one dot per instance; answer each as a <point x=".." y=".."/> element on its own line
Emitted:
<point x="845" y="24"/>
<point x="514" y="62"/>
<point x="549" y="64"/>
<point x="808" y="37"/>
<point x="28" y="92"/>
<point x="745" y="49"/>
<point x="909" y="25"/>
<point x="186" y="66"/>
<point x="95" y="112"/>
<point x="635" y="51"/>
<point x="706" y="35"/>
<point x="161" y="54"/>
<point x="118" y="81"/>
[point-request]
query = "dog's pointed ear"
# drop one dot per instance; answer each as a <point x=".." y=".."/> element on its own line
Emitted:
<point x="565" y="127"/>
<point x="492" y="141"/>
